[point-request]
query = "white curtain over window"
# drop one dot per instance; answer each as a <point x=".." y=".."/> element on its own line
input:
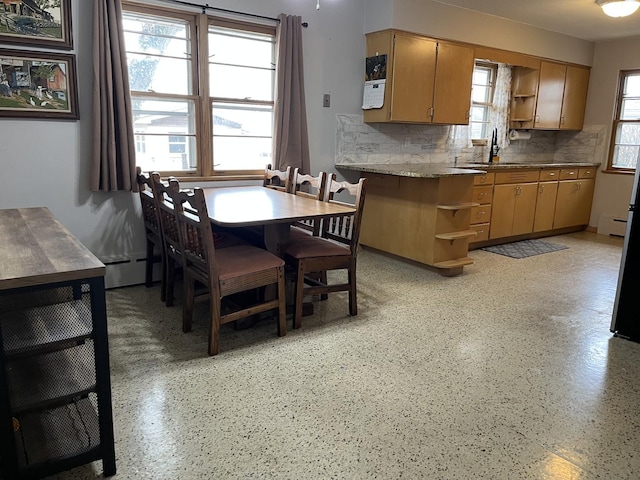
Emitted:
<point x="501" y="104"/>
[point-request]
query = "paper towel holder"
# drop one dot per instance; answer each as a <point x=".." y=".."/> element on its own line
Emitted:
<point x="519" y="134"/>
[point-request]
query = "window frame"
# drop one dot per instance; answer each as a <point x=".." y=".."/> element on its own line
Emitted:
<point x="492" y="88"/>
<point x="617" y="122"/>
<point x="198" y="28"/>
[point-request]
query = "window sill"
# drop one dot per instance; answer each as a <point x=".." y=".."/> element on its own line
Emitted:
<point x="617" y="171"/>
<point x="220" y="178"/>
<point x="479" y="142"/>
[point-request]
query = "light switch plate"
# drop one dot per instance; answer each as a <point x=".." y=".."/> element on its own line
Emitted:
<point x="326" y="100"/>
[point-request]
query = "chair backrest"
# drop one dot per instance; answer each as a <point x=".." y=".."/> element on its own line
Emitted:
<point x="148" y="203"/>
<point x="164" y="203"/>
<point x="278" y="179"/>
<point x="194" y="227"/>
<point x="306" y="185"/>
<point x="345" y="228"/>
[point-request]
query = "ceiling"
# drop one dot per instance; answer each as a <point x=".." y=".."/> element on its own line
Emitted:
<point x="577" y="18"/>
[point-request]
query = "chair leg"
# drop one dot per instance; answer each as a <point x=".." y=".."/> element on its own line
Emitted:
<point x="353" y="302"/>
<point x="163" y="279"/>
<point x="323" y="279"/>
<point x="148" y="275"/>
<point x="214" y="329"/>
<point x="171" y="274"/>
<point x="187" y="308"/>
<point x="282" y="304"/>
<point x="297" y="317"/>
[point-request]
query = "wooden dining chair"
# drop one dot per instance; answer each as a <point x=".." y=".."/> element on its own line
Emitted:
<point x="224" y="273"/>
<point x="306" y="185"/>
<point x="278" y="179"/>
<point x="336" y="248"/>
<point x="153" y="232"/>
<point x="170" y="237"/>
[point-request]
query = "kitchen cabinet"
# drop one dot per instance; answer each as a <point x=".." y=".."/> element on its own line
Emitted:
<point x="546" y="200"/>
<point x="428" y="81"/>
<point x="562" y="96"/>
<point x="422" y="219"/>
<point x="573" y="205"/>
<point x="514" y="203"/>
<point x="55" y="393"/>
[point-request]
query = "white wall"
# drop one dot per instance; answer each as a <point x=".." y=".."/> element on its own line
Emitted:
<point x="46" y="162"/>
<point x="613" y="191"/>
<point x="445" y="21"/>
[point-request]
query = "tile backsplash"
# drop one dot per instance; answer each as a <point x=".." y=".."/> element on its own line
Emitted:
<point x="359" y="142"/>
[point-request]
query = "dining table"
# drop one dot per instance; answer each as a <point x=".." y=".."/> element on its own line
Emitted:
<point x="275" y="210"/>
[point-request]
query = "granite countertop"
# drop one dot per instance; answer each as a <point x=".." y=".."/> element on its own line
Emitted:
<point x="508" y="165"/>
<point x="437" y="170"/>
<point x="418" y="170"/>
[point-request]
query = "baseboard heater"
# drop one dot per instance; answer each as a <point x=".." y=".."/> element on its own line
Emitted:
<point x="612" y="225"/>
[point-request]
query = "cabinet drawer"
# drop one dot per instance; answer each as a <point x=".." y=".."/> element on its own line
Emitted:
<point x="589" y="172"/>
<point x="483" y="194"/>
<point x="486" y="179"/>
<point x="481" y="214"/>
<point x="546" y="175"/>
<point x="517" y="176"/>
<point x="482" y="230"/>
<point x="568" y="173"/>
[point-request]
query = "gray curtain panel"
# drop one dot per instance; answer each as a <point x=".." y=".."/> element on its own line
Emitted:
<point x="113" y="157"/>
<point x="290" y="135"/>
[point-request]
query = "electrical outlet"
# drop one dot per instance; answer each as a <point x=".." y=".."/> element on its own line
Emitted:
<point x="326" y="100"/>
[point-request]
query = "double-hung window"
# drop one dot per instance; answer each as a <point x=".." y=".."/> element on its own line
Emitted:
<point x="483" y="85"/>
<point x="201" y="91"/>
<point x="625" y="138"/>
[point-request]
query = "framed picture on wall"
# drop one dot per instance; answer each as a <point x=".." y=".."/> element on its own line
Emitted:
<point x="38" y="85"/>
<point x="39" y="23"/>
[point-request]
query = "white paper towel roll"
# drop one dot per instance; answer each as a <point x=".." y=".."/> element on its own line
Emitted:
<point x="516" y="135"/>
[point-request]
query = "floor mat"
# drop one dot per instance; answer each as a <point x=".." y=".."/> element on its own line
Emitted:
<point x="525" y="248"/>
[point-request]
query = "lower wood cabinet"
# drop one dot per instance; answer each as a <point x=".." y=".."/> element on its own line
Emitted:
<point x="525" y="202"/>
<point x="573" y="206"/>
<point x="545" y="206"/>
<point x="513" y="209"/>
<point x="514" y="203"/>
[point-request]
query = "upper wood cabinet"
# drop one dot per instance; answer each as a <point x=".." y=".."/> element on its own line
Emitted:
<point x="562" y="96"/>
<point x="428" y="81"/>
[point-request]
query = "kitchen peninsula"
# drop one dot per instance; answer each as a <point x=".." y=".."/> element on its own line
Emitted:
<point x="421" y="212"/>
<point x="434" y="213"/>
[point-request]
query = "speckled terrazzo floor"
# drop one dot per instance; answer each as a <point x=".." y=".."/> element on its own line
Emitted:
<point x="508" y="371"/>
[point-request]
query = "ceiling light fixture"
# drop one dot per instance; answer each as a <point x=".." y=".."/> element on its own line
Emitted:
<point x="618" y="8"/>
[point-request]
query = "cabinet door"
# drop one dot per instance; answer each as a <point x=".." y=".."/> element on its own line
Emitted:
<point x="414" y="65"/>
<point x="573" y="205"/>
<point x="502" y="210"/>
<point x="525" y="208"/>
<point x="575" y="98"/>
<point x="550" y="93"/>
<point x="452" y="94"/>
<point x="545" y="206"/>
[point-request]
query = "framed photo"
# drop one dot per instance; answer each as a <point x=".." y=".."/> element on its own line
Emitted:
<point x="38" y="85"/>
<point x="38" y="23"/>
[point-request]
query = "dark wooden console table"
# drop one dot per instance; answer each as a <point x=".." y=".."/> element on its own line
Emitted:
<point x="55" y="386"/>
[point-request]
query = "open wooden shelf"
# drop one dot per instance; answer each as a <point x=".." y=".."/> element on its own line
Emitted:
<point x="458" y="206"/>
<point x="456" y="235"/>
